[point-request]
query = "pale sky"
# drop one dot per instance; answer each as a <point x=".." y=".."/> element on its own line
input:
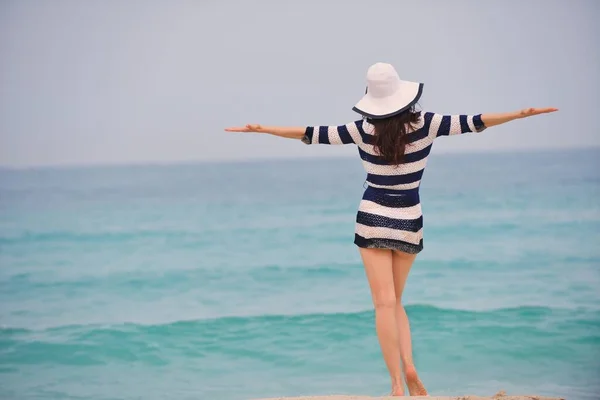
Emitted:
<point x="136" y="81"/>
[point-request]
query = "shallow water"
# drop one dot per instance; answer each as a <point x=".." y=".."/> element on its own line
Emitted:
<point x="240" y="280"/>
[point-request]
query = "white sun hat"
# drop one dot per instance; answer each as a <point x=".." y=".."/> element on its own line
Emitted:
<point x="387" y="95"/>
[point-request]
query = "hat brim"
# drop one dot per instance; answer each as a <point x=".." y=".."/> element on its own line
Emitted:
<point x="405" y="97"/>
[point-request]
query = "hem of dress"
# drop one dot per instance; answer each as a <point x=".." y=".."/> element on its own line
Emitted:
<point x="391" y="244"/>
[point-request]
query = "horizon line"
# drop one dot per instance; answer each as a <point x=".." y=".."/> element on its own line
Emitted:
<point x="191" y="162"/>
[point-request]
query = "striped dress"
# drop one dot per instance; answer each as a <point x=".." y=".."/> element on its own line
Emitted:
<point x="389" y="215"/>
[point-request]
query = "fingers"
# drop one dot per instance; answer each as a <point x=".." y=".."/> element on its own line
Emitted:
<point x="237" y="129"/>
<point x="528" y="112"/>
<point x="253" y="127"/>
<point x="544" y="110"/>
<point x="247" y="128"/>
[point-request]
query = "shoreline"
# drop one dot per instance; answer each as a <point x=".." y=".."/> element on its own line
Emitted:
<point x="499" y="396"/>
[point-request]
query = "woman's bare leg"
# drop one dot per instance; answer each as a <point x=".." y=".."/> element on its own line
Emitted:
<point x="401" y="264"/>
<point x="378" y="268"/>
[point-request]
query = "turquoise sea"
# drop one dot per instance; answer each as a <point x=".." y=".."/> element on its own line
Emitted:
<point x="240" y="280"/>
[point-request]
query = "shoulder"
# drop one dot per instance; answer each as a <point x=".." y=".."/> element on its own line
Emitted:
<point x="428" y="115"/>
<point x="361" y="125"/>
<point x="432" y="118"/>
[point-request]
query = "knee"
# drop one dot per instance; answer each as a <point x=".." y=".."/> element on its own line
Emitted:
<point x="384" y="300"/>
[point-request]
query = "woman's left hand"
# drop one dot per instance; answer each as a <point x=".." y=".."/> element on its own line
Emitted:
<point x="247" y="128"/>
<point x="530" y="112"/>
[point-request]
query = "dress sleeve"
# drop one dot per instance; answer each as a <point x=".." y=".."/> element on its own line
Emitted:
<point x="342" y="134"/>
<point x="446" y="125"/>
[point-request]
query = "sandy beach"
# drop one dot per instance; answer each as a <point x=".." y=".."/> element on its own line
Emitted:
<point x="496" y="397"/>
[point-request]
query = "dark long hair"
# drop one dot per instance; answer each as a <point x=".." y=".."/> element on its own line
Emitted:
<point x="391" y="134"/>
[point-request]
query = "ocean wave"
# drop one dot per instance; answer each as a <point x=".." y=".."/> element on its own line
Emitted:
<point x="416" y="311"/>
<point x="421" y="314"/>
<point x="281" y="339"/>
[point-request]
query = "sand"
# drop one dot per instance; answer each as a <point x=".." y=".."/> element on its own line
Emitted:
<point x="496" y="397"/>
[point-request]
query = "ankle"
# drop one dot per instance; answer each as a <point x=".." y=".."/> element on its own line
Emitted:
<point x="397" y="382"/>
<point x="409" y="370"/>
<point x="398" y="389"/>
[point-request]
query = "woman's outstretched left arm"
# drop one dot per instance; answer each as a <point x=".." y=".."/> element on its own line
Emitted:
<point x="288" y="132"/>
<point x="341" y="134"/>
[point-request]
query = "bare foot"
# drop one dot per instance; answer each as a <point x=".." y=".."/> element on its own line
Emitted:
<point x="415" y="386"/>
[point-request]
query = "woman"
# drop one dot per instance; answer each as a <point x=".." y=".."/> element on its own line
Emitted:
<point x="394" y="142"/>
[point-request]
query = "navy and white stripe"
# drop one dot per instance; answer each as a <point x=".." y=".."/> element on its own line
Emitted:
<point x="389" y="214"/>
<point x="390" y="219"/>
<point x="343" y="134"/>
